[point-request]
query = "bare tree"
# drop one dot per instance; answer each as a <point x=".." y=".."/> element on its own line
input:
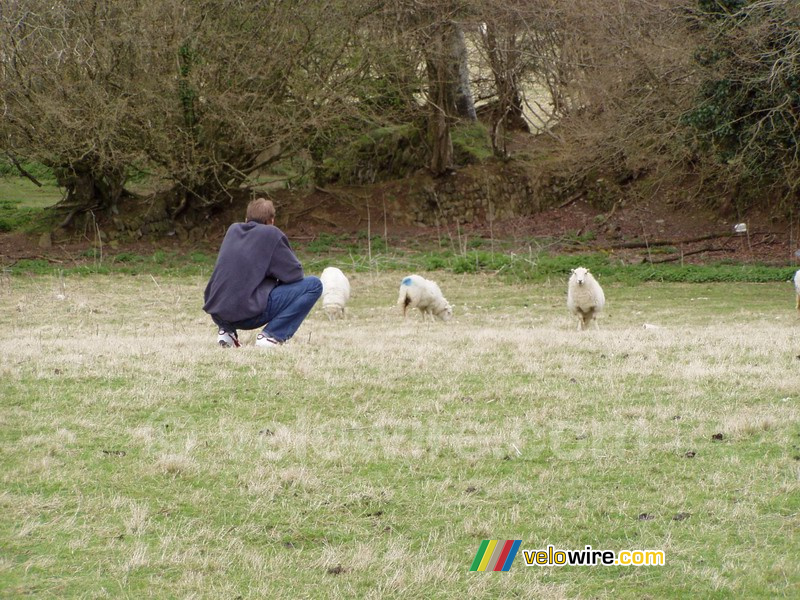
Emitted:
<point x="193" y="90"/>
<point x="65" y="93"/>
<point x="202" y="93"/>
<point x="746" y="109"/>
<point x="619" y="75"/>
<point x="501" y="41"/>
<point x="435" y="24"/>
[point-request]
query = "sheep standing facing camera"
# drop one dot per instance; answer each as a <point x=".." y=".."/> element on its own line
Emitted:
<point x="424" y="295"/>
<point x="797" y="289"/>
<point x="585" y="297"/>
<point x="335" y="292"/>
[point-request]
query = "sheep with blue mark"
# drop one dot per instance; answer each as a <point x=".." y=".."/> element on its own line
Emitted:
<point x="424" y="295"/>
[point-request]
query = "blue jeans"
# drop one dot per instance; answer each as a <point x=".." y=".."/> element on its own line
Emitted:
<point x="288" y="305"/>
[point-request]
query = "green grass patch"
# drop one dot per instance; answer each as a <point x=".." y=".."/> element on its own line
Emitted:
<point x="370" y="457"/>
<point x="542" y="267"/>
<point x="359" y="255"/>
<point x="22" y="205"/>
<point x="471" y="143"/>
<point x="326" y="242"/>
<point x="387" y="152"/>
<point x="95" y="261"/>
<point x="38" y="170"/>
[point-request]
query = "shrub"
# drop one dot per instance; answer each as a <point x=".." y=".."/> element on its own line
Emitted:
<point x="748" y="98"/>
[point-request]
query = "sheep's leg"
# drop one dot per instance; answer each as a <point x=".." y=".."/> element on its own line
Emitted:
<point x="583" y="319"/>
<point x="798" y="303"/>
<point x="589" y="318"/>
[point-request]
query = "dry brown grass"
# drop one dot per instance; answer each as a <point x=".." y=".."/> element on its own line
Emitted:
<point x="140" y="459"/>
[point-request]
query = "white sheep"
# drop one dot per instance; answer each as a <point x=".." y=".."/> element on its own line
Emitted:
<point x="585" y="297"/>
<point x="797" y="288"/>
<point x="335" y="292"/>
<point x="424" y="295"/>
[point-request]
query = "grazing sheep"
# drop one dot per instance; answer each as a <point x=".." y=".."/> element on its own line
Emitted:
<point x="424" y="295"/>
<point x="797" y="288"/>
<point x="335" y="292"/>
<point x="585" y="297"/>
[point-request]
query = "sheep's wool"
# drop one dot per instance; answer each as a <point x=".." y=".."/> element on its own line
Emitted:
<point x="585" y="297"/>
<point x="424" y="295"/>
<point x="335" y="292"/>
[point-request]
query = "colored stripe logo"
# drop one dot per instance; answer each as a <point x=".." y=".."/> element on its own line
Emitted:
<point x="495" y="555"/>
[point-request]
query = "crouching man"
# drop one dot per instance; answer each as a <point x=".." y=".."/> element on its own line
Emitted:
<point x="258" y="282"/>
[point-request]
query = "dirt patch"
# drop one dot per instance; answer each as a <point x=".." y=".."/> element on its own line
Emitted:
<point x="659" y="233"/>
<point x="657" y="230"/>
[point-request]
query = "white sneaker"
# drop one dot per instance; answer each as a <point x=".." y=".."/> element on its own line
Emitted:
<point x="226" y="339"/>
<point x="263" y="341"/>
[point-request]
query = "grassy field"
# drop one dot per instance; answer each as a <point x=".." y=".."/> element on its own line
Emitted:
<point x="23" y="192"/>
<point x="22" y="202"/>
<point x="369" y="458"/>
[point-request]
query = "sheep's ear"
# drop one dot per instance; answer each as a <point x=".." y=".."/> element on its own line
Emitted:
<point x="572" y="271"/>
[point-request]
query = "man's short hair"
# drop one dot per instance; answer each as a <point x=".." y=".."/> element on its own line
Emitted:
<point x="261" y="210"/>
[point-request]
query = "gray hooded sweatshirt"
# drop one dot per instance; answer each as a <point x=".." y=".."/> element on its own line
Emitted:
<point x="252" y="260"/>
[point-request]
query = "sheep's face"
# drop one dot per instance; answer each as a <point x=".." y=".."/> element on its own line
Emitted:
<point x="334" y="311"/>
<point x="579" y="275"/>
<point x="446" y="314"/>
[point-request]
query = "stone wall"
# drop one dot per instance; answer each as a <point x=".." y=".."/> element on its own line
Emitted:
<point x="476" y="194"/>
<point x="150" y="219"/>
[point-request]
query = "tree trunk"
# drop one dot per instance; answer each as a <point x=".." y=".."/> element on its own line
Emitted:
<point x="442" y="151"/>
<point x="87" y="189"/>
<point x="449" y="92"/>
<point x="503" y="57"/>
<point x="464" y="105"/>
<point x="439" y="120"/>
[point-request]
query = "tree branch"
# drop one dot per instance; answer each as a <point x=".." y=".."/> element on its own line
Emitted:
<point x="22" y="170"/>
<point x="645" y="244"/>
